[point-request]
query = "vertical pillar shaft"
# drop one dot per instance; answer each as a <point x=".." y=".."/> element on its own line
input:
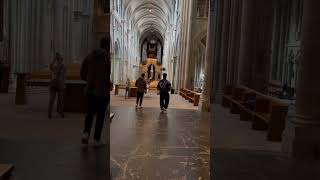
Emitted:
<point x="223" y="59"/>
<point x="301" y="138"/>
<point x="247" y="41"/>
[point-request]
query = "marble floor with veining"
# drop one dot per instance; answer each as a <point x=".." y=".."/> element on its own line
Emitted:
<point x="145" y="144"/>
<point x="150" y="145"/>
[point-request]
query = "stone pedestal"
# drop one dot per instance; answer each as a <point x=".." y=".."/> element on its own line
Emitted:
<point x="301" y="139"/>
<point x="21" y="97"/>
<point x="116" y="89"/>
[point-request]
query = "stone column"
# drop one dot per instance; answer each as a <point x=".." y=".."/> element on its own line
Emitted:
<point x="246" y="56"/>
<point x="182" y="58"/>
<point x="205" y="96"/>
<point x="263" y="44"/>
<point x="234" y="41"/>
<point x="191" y="60"/>
<point x="209" y="75"/>
<point x="301" y="138"/>
<point x="222" y="61"/>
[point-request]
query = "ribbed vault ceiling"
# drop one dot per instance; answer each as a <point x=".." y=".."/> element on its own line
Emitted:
<point x="149" y="17"/>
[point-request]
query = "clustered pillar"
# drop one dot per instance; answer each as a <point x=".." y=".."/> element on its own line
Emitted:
<point x="301" y="138"/>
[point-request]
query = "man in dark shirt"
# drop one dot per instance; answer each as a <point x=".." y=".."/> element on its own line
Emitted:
<point x="95" y="69"/>
<point x="141" y="85"/>
<point x="164" y="87"/>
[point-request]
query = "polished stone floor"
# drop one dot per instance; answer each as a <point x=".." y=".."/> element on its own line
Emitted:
<point x="147" y="144"/>
<point x="243" y="153"/>
<point x="151" y="99"/>
<point x="52" y="161"/>
<point x="144" y="143"/>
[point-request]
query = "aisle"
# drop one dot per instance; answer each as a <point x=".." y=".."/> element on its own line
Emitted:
<point x="147" y="144"/>
<point x="151" y="99"/>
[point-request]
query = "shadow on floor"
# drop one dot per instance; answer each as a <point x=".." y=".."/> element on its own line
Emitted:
<point x="231" y="164"/>
<point x="35" y="161"/>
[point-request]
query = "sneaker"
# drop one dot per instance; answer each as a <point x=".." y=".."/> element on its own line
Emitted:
<point x="85" y="138"/>
<point x="98" y="143"/>
<point x="136" y="105"/>
<point x="111" y="117"/>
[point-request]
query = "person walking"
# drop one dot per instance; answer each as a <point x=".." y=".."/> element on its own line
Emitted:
<point x="95" y="70"/>
<point x="141" y="85"/>
<point x="164" y="87"/>
<point x="56" y="85"/>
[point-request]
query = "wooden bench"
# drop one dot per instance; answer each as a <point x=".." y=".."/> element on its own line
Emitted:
<point x="269" y="112"/>
<point x="274" y="88"/>
<point x="233" y="98"/>
<point x="6" y="170"/>
<point x="191" y="96"/>
<point x="74" y="97"/>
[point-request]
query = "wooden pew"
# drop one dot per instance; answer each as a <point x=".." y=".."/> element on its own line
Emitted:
<point x="74" y="98"/>
<point x="269" y="113"/>
<point x="249" y="99"/>
<point x="227" y="96"/>
<point x="191" y="96"/>
<point x="236" y="100"/>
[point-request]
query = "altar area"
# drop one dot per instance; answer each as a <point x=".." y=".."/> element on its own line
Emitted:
<point x="153" y="71"/>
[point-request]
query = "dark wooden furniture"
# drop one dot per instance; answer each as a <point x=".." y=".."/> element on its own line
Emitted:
<point x="269" y="113"/>
<point x="133" y="92"/>
<point x="5" y="170"/>
<point x="191" y="96"/>
<point x="75" y="99"/>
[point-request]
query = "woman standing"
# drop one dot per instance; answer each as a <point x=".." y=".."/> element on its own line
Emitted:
<point x="56" y="85"/>
<point x="128" y="84"/>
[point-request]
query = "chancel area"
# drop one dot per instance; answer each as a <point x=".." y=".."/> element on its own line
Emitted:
<point x="192" y="89"/>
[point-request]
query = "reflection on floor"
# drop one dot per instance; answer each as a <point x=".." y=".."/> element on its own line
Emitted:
<point x="40" y="148"/>
<point x="147" y="144"/>
<point x="151" y="99"/>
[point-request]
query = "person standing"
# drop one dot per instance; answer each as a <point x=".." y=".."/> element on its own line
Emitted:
<point x="56" y="85"/>
<point x="128" y="84"/>
<point x="95" y="70"/>
<point x="141" y="85"/>
<point x="164" y="87"/>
